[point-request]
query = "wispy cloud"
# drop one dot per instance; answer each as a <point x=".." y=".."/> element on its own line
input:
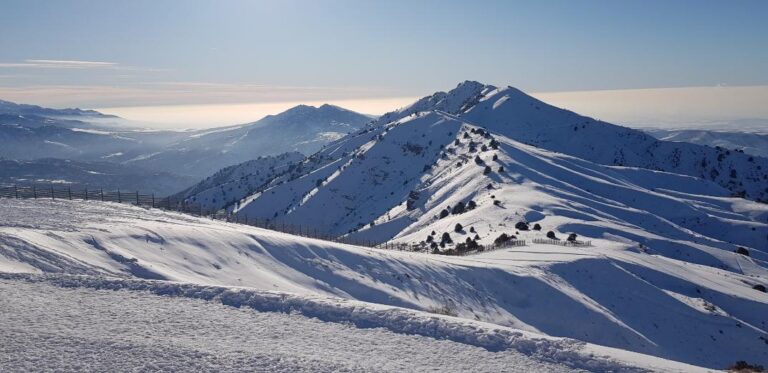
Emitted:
<point x="73" y="64"/>
<point x="181" y="93"/>
<point x="59" y="64"/>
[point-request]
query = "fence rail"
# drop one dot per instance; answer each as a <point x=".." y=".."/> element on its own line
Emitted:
<point x="65" y="192"/>
<point x="179" y="205"/>
<point x="549" y="241"/>
<point x="69" y="193"/>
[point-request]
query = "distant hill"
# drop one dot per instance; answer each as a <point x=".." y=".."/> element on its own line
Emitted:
<point x="8" y="107"/>
<point x="29" y="132"/>
<point x="303" y="129"/>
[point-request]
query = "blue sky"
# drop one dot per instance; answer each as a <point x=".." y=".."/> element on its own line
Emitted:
<point x="194" y="52"/>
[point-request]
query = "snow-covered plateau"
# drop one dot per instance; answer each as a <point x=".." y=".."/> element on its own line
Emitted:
<point x="80" y="284"/>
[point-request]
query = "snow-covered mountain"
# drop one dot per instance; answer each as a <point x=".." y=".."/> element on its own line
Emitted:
<point x="610" y="294"/>
<point x="303" y="129"/>
<point x="100" y="175"/>
<point x="748" y="142"/>
<point x="397" y="184"/>
<point x="415" y="178"/>
<point x="231" y="184"/>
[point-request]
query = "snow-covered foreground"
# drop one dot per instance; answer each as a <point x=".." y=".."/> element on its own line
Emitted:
<point x="72" y="323"/>
<point x="609" y="294"/>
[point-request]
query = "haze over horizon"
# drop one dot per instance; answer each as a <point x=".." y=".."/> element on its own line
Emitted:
<point x="204" y="64"/>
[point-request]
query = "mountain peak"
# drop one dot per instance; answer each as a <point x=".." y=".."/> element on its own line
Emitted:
<point x="471" y="85"/>
<point x="303" y="110"/>
<point x="300" y="108"/>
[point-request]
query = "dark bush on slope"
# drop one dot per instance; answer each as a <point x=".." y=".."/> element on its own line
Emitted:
<point x="742" y="366"/>
<point x="458" y="209"/>
<point x="503" y="238"/>
<point x="446" y="239"/>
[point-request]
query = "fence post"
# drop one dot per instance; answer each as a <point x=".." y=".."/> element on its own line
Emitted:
<point x="119" y="199"/>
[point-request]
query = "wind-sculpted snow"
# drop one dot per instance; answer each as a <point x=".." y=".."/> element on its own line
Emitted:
<point x="553" y="353"/>
<point x="394" y="183"/>
<point x="525" y="119"/>
<point x="610" y="294"/>
<point x="83" y="327"/>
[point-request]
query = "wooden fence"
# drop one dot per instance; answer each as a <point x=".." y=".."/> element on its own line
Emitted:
<point x="174" y="204"/>
<point x="549" y="241"/>
<point x="83" y="193"/>
<point x="64" y="192"/>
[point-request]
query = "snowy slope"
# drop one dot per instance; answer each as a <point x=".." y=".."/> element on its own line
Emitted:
<point x="749" y="142"/>
<point x="231" y="184"/>
<point x="518" y="116"/>
<point x="512" y="113"/>
<point x="269" y="332"/>
<point x="611" y="294"/>
<point x="392" y="183"/>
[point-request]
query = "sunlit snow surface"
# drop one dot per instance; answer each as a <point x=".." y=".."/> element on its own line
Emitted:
<point x="48" y="327"/>
<point x="606" y="295"/>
